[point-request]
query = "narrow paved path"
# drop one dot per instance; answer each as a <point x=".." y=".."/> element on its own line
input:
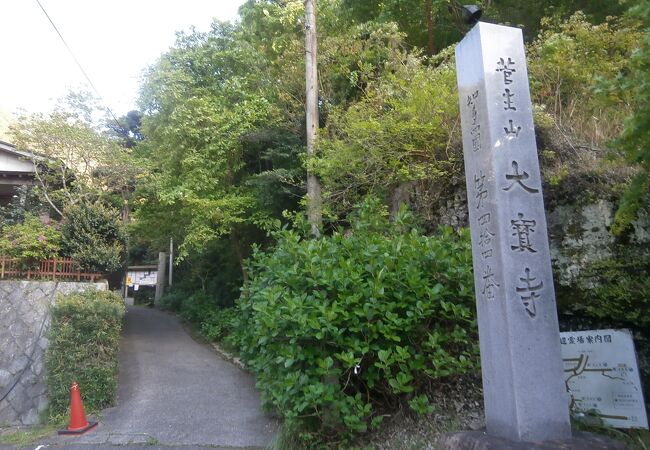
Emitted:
<point x="177" y="392"/>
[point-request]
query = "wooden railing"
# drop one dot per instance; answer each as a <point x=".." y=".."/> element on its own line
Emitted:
<point x="53" y="269"/>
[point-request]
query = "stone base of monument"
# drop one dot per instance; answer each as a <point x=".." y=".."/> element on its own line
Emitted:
<point x="480" y="440"/>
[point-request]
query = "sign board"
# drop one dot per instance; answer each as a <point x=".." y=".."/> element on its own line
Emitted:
<point x="143" y="277"/>
<point x="602" y="376"/>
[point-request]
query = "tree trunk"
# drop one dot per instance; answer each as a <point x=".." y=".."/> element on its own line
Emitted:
<point x="125" y="192"/>
<point x="314" y="199"/>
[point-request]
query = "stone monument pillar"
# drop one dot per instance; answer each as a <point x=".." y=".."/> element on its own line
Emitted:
<point x="160" y="278"/>
<point x="524" y="393"/>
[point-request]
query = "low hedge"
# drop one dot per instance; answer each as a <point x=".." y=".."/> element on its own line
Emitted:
<point x="84" y="343"/>
<point x="212" y="321"/>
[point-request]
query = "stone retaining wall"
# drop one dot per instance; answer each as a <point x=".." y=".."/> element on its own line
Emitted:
<point x="24" y="321"/>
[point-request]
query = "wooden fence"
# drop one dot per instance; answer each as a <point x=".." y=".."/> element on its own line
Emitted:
<point x="52" y="269"/>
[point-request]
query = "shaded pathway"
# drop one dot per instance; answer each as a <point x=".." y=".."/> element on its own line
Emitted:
<point x="175" y="391"/>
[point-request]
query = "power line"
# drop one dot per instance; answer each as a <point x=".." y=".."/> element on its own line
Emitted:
<point x="78" y="64"/>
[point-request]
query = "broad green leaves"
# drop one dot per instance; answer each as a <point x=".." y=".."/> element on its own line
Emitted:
<point x="339" y="326"/>
<point x="95" y="237"/>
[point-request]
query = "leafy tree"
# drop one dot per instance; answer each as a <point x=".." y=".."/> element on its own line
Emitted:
<point x="24" y="202"/>
<point x="213" y="143"/>
<point x="350" y="54"/>
<point x="128" y="129"/>
<point x="396" y="135"/>
<point x="94" y="236"/>
<point x="433" y="25"/>
<point x="75" y="161"/>
<point x="353" y="59"/>
<point x="634" y="142"/>
<point x="528" y="15"/>
<point x="429" y="24"/>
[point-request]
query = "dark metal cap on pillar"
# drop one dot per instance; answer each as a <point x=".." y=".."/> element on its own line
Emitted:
<point x="471" y="14"/>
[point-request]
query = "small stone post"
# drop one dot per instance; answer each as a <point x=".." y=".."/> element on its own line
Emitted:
<point x="524" y="394"/>
<point x="160" y="278"/>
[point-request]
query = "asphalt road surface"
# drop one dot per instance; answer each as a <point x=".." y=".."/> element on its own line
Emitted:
<point x="175" y="392"/>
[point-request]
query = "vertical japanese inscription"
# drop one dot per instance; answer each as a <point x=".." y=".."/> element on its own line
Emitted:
<point x="519" y="183"/>
<point x="486" y="237"/>
<point x="476" y="126"/>
<point x="480" y="190"/>
<point x="523" y="228"/>
<point x="506" y="66"/>
<point x="512" y="272"/>
<point x="528" y="291"/>
<point x="481" y="197"/>
<point x="517" y="178"/>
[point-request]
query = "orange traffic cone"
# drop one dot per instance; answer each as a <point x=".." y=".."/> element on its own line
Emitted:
<point x="78" y="423"/>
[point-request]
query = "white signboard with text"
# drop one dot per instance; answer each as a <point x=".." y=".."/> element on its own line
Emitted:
<point x="138" y="278"/>
<point x="602" y="376"/>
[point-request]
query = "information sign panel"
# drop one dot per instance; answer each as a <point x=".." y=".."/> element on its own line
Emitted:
<point x="602" y="376"/>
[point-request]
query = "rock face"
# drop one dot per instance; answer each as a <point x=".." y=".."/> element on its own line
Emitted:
<point x="580" y="235"/>
<point x="578" y="232"/>
<point x="24" y="321"/>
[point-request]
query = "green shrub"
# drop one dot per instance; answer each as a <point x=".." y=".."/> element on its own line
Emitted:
<point x="94" y="236"/>
<point x="172" y="300"/>
<point x="197" y="306"/>
<point x="218" y="323"/>
<point x="339" y="328"/>
<point x="30" y="241"/>
<point x="201" y="309"/>
<point x="571" y="64"/>
<point x="84" y="343"/>
<point x="397" y="133"/>
<point x="613" y="290"/>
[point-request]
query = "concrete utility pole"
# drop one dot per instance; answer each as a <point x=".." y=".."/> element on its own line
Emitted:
<point x="314" y="200"/>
